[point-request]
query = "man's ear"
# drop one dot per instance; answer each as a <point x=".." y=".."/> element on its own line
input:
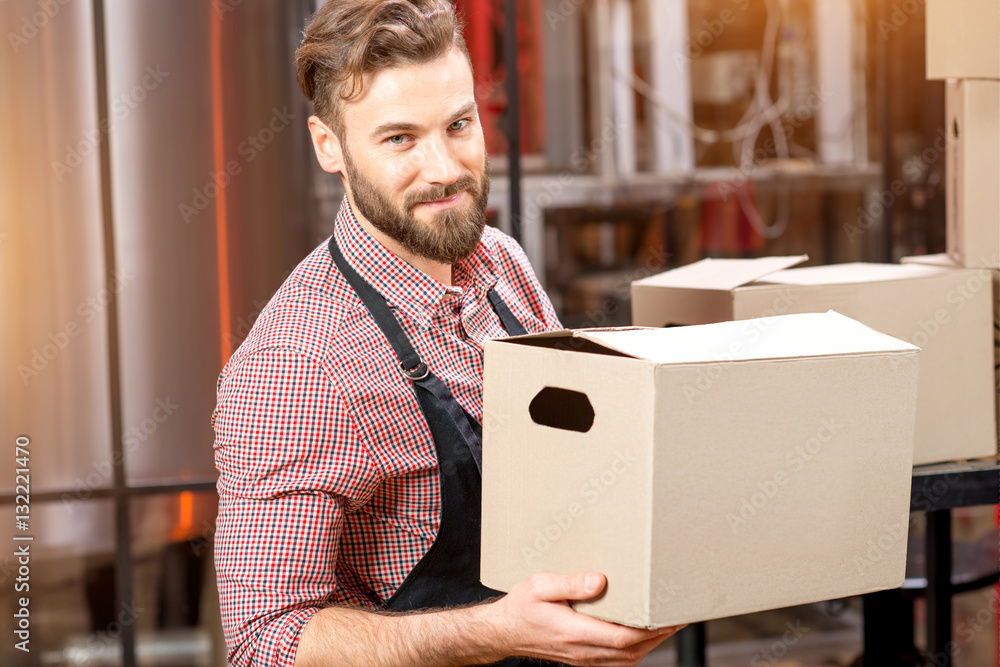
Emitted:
<point x="327" y="146"/>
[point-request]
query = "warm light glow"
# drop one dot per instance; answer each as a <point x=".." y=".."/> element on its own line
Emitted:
<point x="219" y="159"/>
<point x="184" y="517"/>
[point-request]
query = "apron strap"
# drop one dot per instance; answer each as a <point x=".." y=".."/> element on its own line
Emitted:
<point x="510" y="323"/>
<point x="433" y="384"/>
<point x="409" y="360"/>
<point x="410" y="363"/>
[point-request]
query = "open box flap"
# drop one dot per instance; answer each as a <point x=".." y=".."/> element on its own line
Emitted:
<point x="944" y="260"/>
<point x="721" y="274"/>
<point x="781" y="337"/>
<point x="852" y="273"/>
<point x="570" y="340"/>
<point x="563" y="333"/>
<point x="784" y="337"/>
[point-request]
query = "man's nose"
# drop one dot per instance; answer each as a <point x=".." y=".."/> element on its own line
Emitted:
<point x="440" y="165"/>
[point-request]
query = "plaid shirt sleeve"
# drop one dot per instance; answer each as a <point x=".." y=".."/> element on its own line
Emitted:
<point x="290" y="464"/>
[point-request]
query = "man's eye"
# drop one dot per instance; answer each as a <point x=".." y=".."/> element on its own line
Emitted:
<point x="398" y="139"/>
<point x="458" y="124"/>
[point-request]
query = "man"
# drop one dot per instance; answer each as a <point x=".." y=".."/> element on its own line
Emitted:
<point x="347" y="425"/>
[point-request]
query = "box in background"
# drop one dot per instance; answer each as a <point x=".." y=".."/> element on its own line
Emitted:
<point x="944" y="311"/>
<point x="707" y="471"/>
<point x="972" y="110"/>
<point x="963" y="38"/>
<point x="985" y="274"/>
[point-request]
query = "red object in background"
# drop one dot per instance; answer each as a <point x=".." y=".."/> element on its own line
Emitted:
<point x="484" y="23"/>
<point x="725" y="229"/>
<point x="482" y="18"/>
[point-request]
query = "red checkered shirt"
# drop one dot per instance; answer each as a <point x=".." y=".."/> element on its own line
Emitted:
<point x="328" y="486"/>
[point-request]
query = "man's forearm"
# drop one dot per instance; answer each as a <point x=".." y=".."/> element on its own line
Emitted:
<point x="348" y="636"/>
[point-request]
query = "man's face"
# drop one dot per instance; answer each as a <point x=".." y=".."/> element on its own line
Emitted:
<point x="415" y="159"/>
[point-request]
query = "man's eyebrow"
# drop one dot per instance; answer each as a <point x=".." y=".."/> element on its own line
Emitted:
<point x="395" y="127"/>
<point x="467" y="109"/>
<point x="398" y="127"/>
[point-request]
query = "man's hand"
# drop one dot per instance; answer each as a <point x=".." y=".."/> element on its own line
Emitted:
<point x="535" y="620"/>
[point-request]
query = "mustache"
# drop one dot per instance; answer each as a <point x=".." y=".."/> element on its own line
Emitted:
<point x="467" y="182"/>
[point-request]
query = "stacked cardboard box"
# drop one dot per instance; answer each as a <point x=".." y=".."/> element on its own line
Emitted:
<point x="972" y="111"/>
<point x="944" y="310"/>
<point x="963" y="48"/>
<point x="962" y="39"/>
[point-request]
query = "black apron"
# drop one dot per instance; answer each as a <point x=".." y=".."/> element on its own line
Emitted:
<point x="448" y="574"/>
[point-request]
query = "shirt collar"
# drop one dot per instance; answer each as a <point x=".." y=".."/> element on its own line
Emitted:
<point x="404" y="287"/>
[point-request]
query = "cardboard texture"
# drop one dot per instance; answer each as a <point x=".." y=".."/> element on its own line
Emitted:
<point x="945" y="311"/>
<point x="963" y="38"/>
<point x="946" y="261"/>
<point x="707" y="471"/>
<point x="972" y="109"/>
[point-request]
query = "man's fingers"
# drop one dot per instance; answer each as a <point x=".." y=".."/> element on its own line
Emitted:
<point x="623" y="651"/>
<point x="660" y="635"/>
<point x="594" y="632"/>
<point x="557" y="587"/>
<point x="671" y="630"/>
<point x="584" y="639"/>
<point x="644" y="647"/>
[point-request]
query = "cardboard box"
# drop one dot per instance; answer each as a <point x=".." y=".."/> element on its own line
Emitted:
<point x="963" y="38"/>
<point x="944" y="311"/>
<point x="707" y="471"/>
<point x="972" y="110"/>
<point x="985" y="274"/>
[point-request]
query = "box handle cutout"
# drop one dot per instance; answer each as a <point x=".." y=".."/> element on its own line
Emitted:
<point x="562" y="408"/>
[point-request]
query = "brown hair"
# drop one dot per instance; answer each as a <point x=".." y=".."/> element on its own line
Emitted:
<point x="348" y="39"/>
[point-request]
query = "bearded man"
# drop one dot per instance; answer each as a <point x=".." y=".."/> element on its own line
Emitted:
<point x="348" y="436"/>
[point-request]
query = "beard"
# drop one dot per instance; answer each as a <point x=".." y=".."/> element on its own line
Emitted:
<point x="448" y="237"/>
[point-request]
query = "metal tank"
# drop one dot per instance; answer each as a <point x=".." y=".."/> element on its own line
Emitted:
<point x="203" y="204"/>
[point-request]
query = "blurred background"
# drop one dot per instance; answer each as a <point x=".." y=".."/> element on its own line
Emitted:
<point x="157" y="184"/>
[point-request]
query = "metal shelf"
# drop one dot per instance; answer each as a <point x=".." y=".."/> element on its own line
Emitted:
<point x="570" y="189"/>
<point x="888" y="626"/>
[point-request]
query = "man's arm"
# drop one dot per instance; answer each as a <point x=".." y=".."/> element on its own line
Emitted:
<point x="534" y="620"/>
<point x="288" y="457"/>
